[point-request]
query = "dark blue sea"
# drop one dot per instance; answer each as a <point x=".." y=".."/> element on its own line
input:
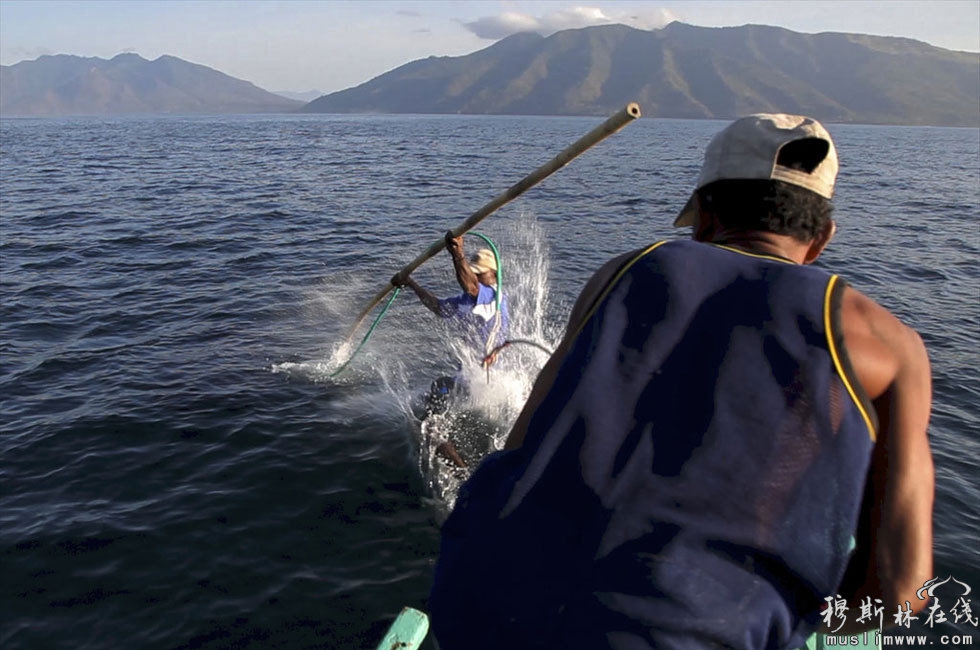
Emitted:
<point x="182" y="466"/>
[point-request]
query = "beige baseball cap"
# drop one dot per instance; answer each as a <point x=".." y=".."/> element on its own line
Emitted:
<point x="757" y="147"/>
<point x="483" y="260"/>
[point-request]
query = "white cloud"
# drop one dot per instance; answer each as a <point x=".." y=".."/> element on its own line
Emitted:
<point x="494" y="28"/>
<point x="574" y="18"/>
<point x="648" y="19"/>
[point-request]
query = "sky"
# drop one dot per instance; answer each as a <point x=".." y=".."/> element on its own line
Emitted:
<point x="304" y="45"/>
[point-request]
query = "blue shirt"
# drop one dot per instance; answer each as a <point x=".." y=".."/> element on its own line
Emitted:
<point x="476" y="318"/>
<point x="691" y="480"/>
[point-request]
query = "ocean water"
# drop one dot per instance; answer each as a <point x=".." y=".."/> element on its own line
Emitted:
<point x="181" y="466"/>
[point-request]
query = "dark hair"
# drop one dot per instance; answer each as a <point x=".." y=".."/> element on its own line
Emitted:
<point x="767" y="205"/>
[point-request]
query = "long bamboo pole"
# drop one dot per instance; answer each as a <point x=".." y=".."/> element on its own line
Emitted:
<point x="615" y="122"/>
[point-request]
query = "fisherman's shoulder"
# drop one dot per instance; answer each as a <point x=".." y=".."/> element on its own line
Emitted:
<point x="879" y="344"/>
<point x="600" y="280"/>
<point x="608" y="271"/>
<point x="485" y="293"/>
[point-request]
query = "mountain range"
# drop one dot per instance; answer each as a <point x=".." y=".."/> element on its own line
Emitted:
<point x="683" y="71"/>
<point x="680" y="71"/>
<point x="128" y="83"/>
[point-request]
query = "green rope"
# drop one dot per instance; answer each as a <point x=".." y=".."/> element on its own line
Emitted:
<point x="368" y="334"/>
<point x="498" y="292"/>
<point x="496" y="255"/>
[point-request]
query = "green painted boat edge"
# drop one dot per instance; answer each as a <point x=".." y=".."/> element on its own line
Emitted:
<point x="407" y="631"/>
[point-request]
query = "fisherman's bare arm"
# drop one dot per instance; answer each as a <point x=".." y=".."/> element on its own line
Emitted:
<point x="467" y="280"/>
<point x="576" y="320"/>
<point x="894" y="548"/>
<point x="427" y="299"/>
<point x="448" y="451"/>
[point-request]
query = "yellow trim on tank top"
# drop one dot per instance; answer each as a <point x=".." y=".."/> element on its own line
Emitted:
<point x="626" y="267"/>
<point x="828" y="329"/>
<point x="763" y="256"/>
<point x="837" y="362"/>
<point x="612" y="284"/>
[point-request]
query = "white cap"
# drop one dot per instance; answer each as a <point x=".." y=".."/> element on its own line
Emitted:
<point x="483" y="260"/>
<point x="749" y="149"/>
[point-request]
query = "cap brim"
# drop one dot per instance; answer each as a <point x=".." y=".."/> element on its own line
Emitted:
<point x="478" y="269"/>
<point x="687" y="214"/>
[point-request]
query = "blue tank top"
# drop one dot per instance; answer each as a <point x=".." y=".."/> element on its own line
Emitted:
<point x="692" y="480"/>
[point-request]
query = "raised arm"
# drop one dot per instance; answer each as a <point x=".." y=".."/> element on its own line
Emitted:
<point x="468" y="281"/>
<point x="893" y="557"/>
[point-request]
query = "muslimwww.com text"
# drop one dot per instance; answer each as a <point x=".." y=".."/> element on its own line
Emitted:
<point x="881" y="640"/>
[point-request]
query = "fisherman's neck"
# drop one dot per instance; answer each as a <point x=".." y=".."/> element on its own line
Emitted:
<point x="760" y="242"/>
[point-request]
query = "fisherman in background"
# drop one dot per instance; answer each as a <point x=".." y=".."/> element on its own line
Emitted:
<point x="720" y="423"/>
<point x="474" y="313"/>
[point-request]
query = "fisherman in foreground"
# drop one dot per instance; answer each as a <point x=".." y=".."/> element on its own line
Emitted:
<point x="719" y="421"/>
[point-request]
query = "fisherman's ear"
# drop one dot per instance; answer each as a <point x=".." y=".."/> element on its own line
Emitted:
<point x="703" y="229"/>
<point x="820" y="242"/>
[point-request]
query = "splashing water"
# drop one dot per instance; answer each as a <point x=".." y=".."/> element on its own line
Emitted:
<point x="411" y="347"/>
<point x="480" y="422"/>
